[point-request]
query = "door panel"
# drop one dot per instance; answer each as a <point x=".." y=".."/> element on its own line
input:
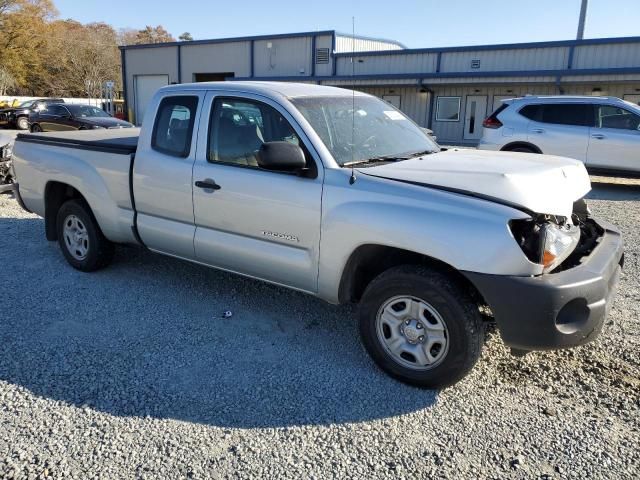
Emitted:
<point x="560" y="128"/>
<point x="562" y="140"/>
<point x="162" y="176"/>
<point x="258" y="223"/>
<point x="475" y="112"/>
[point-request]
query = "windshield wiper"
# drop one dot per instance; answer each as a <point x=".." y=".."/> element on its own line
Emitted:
<point x="388" y="158"/>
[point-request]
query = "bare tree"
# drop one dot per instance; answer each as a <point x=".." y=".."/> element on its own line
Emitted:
<point x="6" y="80"/>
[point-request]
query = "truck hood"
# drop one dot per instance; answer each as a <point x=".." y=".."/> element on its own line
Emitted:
<point x="539" y="183"/>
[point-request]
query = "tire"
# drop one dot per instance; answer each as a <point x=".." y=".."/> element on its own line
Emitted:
<point x="35" y="128"/>
<point x="22" y="123"/>
<point x="522" y="150"/>
<point x="447" y="326"/>
<point x="80" y="238"/>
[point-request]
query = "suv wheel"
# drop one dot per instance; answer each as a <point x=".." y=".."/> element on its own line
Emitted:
<point x="80" y="238"/>
<point x="522" y="149"/>
<point x="23" y="123"/>
<point x="35" y="128"/>
<point x="420" y="327"/>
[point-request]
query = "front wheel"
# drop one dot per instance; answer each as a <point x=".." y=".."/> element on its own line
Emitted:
<point x="420" y="326"/>
<point x="80" y="238"/>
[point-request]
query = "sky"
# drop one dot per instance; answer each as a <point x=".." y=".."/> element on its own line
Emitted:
<point x="415" y="23"/>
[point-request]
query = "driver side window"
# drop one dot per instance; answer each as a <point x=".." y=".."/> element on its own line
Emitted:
<point x="238" y="128"/>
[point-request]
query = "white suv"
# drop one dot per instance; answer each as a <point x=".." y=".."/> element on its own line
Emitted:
<point x="602" y="132"/>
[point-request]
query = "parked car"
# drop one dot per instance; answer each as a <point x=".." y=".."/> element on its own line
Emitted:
<point x="601" y="132"/>
<point x="60" y="117"/>
<point x="18" y="117"/>
<point x="288" y="183"/>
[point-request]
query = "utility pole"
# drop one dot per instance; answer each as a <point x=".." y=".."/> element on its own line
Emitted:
<point x="583" y="19"/>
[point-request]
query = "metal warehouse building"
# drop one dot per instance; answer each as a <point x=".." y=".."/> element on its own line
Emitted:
<point x="449" y="90"/>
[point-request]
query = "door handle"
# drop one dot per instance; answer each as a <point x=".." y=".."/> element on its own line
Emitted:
<point x="208" y="184"/>
<point x="537" y="130"/>
<point x="599" y="136"/>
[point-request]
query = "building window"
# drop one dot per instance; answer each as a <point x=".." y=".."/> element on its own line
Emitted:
<point x="448" y="109"/>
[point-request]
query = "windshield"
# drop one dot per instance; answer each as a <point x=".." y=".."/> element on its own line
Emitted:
<point x="375" y="130"/>
<point x="26" y="104"/>
<point x="81" y="111"/>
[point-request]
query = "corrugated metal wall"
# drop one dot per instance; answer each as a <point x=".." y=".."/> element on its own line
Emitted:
<point x="609" y="55"/>
<point x="345" y="43"/>
<point x="216" y="58"/>
<point x="286" y="56"/>
<point x="412" y="102"/>
<point x="513" y="59"/>
<point x="384" y="64"/>
<point x="325" y="41"/>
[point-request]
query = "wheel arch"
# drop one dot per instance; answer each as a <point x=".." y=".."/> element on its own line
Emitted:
<point x="55" y="194"/>
<point x="520" y="144"/>
<point x="370" y="260"/>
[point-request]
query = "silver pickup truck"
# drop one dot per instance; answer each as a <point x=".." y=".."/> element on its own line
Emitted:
<point x="340" y="195"/>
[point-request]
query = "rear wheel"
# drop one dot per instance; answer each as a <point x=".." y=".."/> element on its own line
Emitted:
<point x="80" y="238"/>
<point x="420" y="326"/>
<point x="35" y="128"/>
<point x="23" y="123"/>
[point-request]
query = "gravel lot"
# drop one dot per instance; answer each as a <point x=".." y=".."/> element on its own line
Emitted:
<point x="133" y="372"/>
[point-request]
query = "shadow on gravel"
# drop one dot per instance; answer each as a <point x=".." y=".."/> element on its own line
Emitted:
<point x="147" y="337"/>
<point x="620" y="192"/>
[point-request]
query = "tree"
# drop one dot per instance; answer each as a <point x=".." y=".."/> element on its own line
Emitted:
<point x="23" y="31"/>
<point x="6" y="80"/>
<point x="186" y="37"/>
<point x="153" y="35"/>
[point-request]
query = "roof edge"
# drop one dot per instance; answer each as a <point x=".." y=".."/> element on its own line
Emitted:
<point x="228" y="39"/>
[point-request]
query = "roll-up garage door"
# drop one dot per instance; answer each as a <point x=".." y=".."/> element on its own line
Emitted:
<point x="145" y="87"/>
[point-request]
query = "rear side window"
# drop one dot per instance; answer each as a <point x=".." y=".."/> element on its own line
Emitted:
<point x="173" y="128"/>
<point x="577" y="114"/>
<point x="532" y="112"/>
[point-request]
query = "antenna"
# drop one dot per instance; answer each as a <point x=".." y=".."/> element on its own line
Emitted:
<point x="352" y="179"/>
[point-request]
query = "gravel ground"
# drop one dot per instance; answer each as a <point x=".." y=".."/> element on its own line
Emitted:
<point x="133" y="372"/>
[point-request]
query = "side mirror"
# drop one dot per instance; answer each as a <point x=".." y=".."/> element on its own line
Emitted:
<point x="281" y="157"/>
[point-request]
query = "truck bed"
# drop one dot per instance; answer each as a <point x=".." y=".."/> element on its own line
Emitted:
<point x="120" y="140"/>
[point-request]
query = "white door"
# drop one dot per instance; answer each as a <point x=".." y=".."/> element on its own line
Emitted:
<point x="474" y="114"/>
<point x="614" y="142"/>
<point x="393" y="100"/>
<point x="145" y="87"/>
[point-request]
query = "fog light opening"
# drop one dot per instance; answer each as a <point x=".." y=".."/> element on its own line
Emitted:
<point x="573" y="316"/>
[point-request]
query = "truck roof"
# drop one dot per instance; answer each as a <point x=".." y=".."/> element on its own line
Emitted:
<point x="286" y="89"/>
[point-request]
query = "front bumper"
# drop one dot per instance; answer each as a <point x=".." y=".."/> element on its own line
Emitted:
<point x="556" y="310"/>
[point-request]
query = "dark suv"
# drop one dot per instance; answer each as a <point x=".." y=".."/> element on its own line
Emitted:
<point x="18" y="117"/>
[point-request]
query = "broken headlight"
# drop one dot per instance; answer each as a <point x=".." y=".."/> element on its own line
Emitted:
<point x="546" y="242"/>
